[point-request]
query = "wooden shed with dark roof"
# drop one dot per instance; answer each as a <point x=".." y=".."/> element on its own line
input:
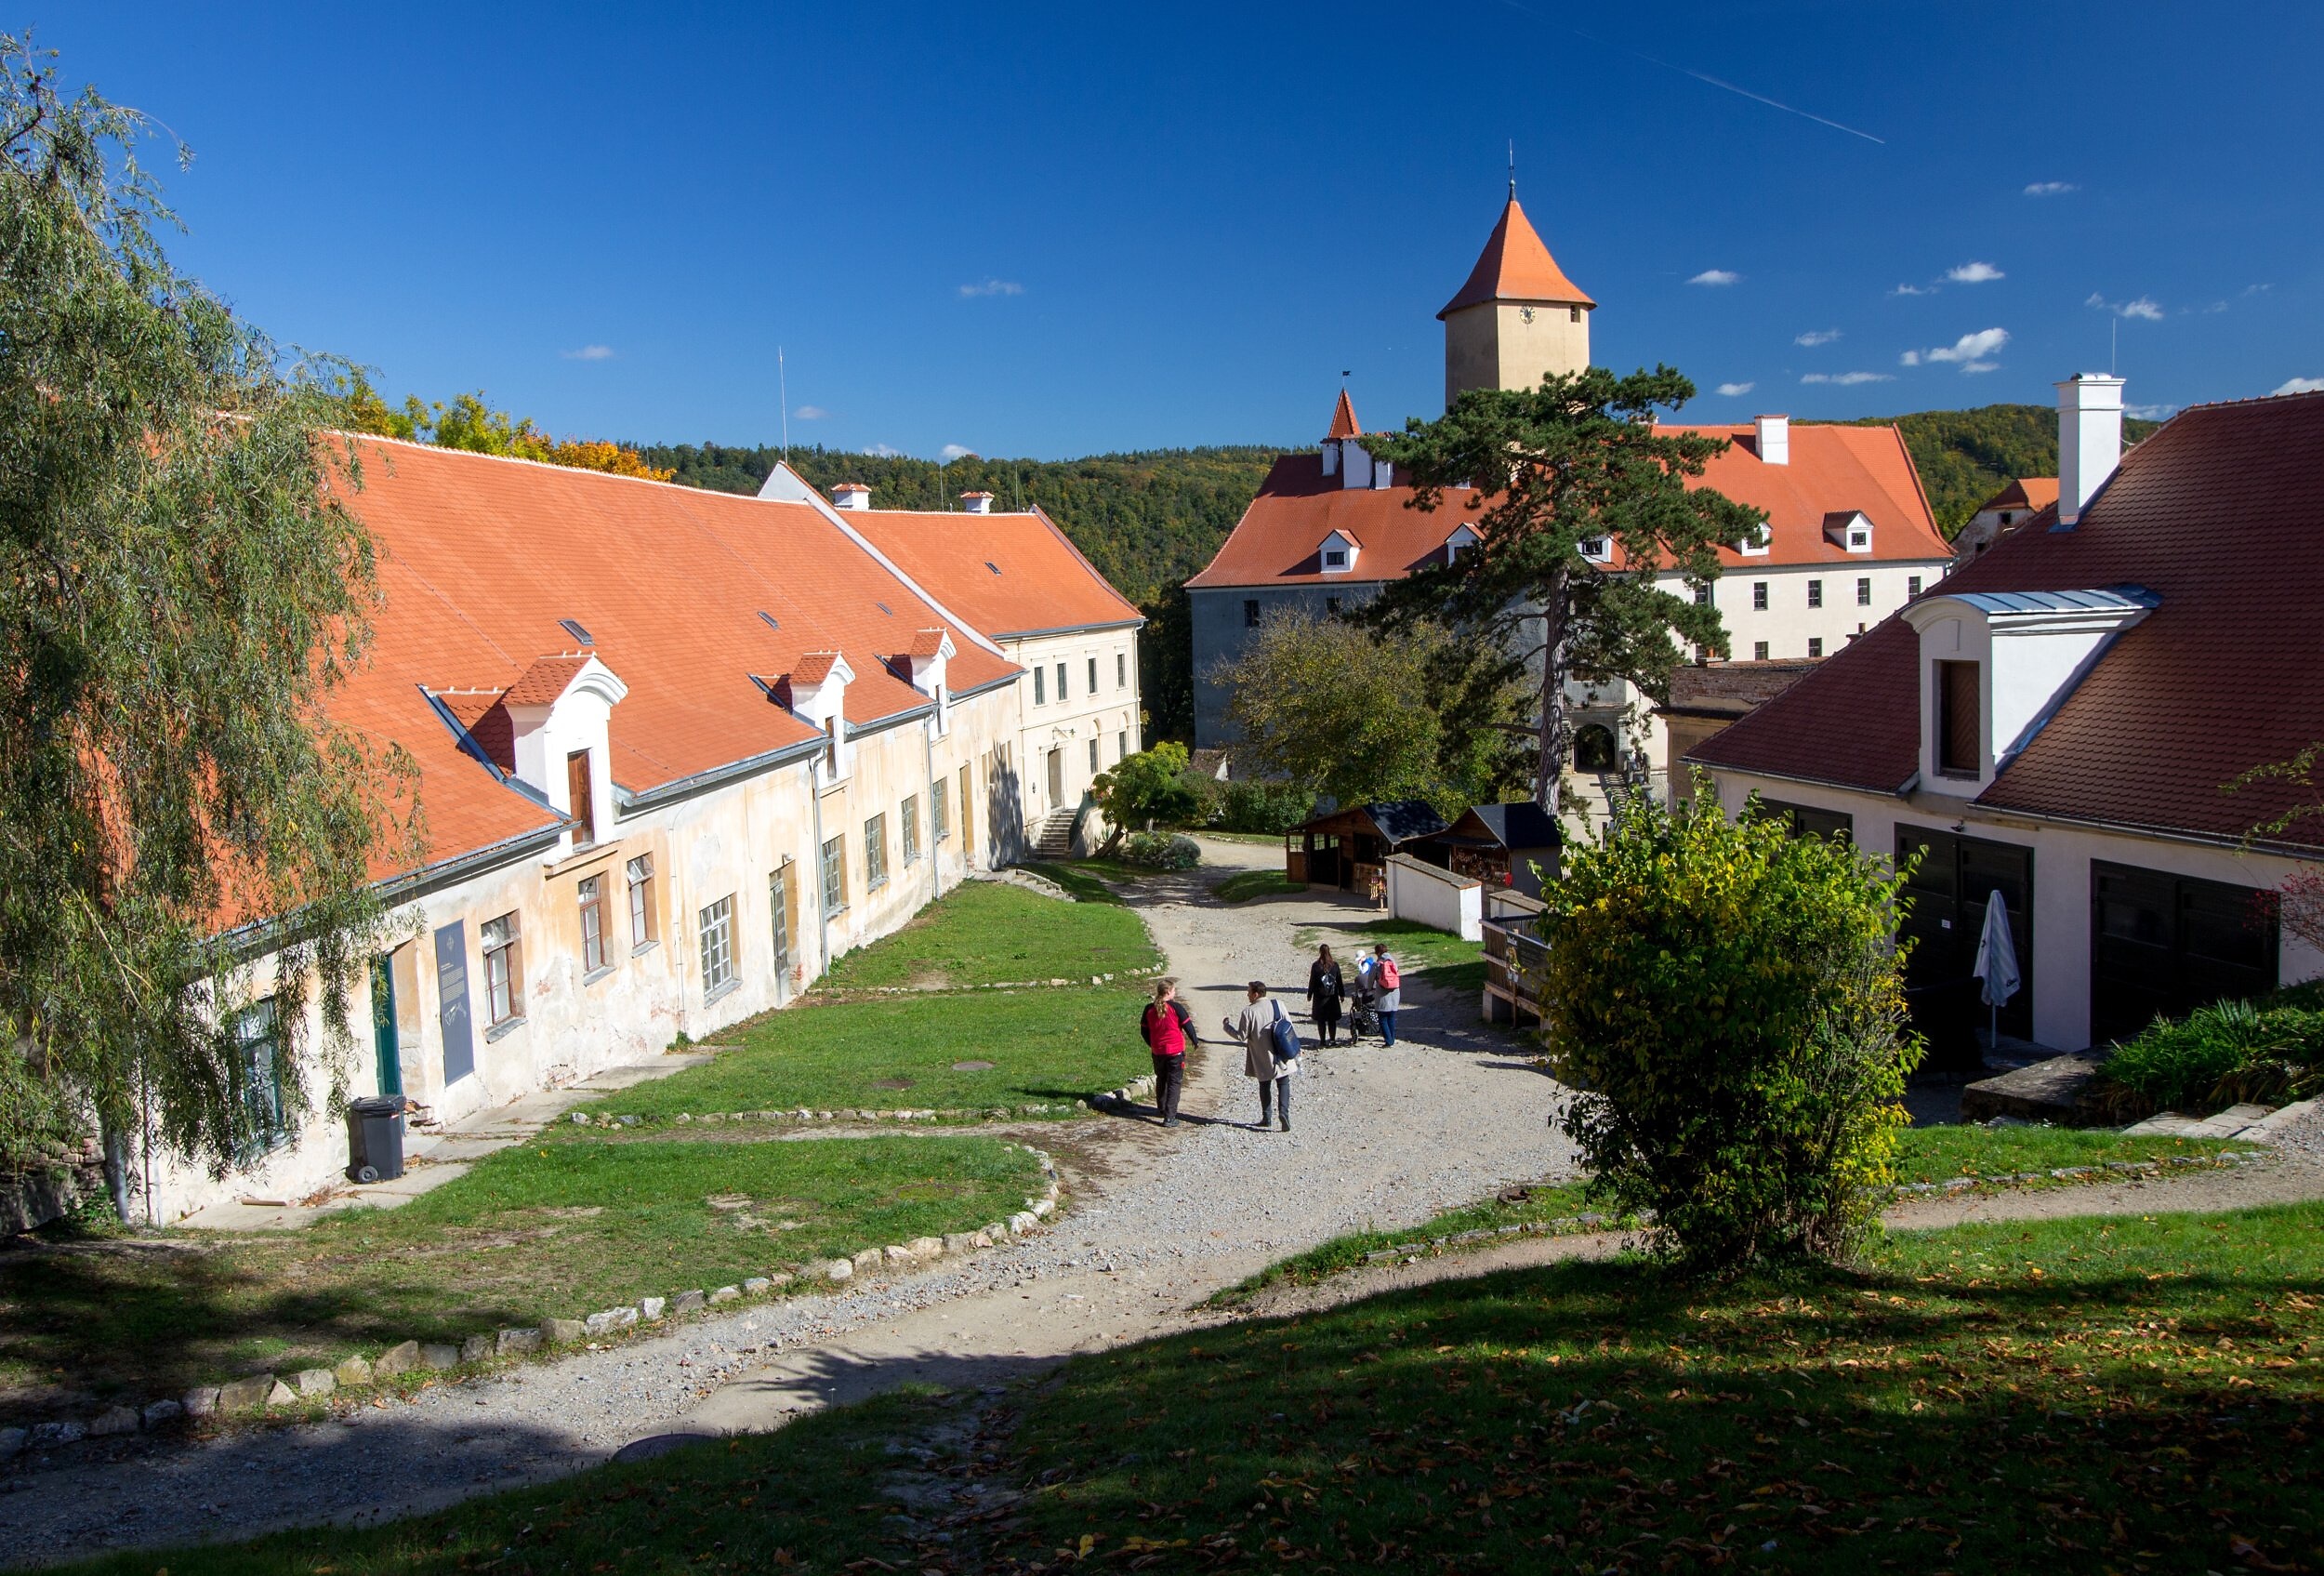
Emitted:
<point x="1502" y="845"/>
<point x="1347" y="848"/>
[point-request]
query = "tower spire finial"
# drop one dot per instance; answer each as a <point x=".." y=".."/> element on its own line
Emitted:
<point x="1513" y="170"/>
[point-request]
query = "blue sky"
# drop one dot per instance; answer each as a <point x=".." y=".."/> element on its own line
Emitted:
<point x="1059" y="231"/>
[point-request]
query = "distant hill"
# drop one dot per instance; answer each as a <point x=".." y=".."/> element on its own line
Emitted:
<point x="1967" y="455"/>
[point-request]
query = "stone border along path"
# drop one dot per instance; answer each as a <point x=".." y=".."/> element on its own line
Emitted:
<point x="257" y="1395"/>
<point x="1159" y="1222"/>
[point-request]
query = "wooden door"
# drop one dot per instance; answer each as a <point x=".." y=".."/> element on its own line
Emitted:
<point x="967" y="821"/>
<point x="784" y="917"/>
<point x="583" y="801"/>
<point x="1057" y="779"/>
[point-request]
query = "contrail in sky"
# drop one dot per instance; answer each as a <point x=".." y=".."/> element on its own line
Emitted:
<point x="1699" y="76"/>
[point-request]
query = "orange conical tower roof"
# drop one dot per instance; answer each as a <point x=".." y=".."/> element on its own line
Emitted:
<point x="1515" y="266"/>
<point x="1343" y="422"/>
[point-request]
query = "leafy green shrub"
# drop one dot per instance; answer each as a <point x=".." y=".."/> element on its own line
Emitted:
<point x="2215" y="1056"/>
<point x="1730" y="1001"/>
<point x="1261" y="807"/>
<point x="1149" y="785"/>
<point x="1160" y="850"/>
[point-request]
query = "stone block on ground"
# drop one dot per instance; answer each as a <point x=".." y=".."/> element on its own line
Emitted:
<point x="562" y="1332"/>
<point x="756" y="1285"/>
<point x="2168" y="1124"/>
<point x="354" y="1371"/>
<point x="65" y="1433"/>
<point x="961" y="1241"/>
<point x="924" y="1248"/>
<point x="1042" y="1206"/>
<point x="869" y="1258"/>
<point x="12" y="1442"/>
<point x="314" y="1381"/>
<point x="201" y="1401"/>
<point x="397" y="1359"/>
<point x="1022" y="1222"/>
<point x="476" y="1348"/>
<point x="440" y="1355"/>
<point x="649" y="1309"/>
<point x="896" y="1254"/>
<point x="281" y="1396"/>
<point x="2062" y="1090"/>
<point x="516" y="1343"/>
<point x="245" y="1395"/>
<point x="687" y="1301"/>
<point x="836" y="1269"/>
<point x="726" y="1295"/>
<point x="998" y="1231"/>
<point x="112" y="1420"/>
<point x="158" y="1415"/>
<point x="612" y="1321"/>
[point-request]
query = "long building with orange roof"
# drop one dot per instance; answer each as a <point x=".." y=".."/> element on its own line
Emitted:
<point x="676" y="751"/>
<point x="1850" y="536"/>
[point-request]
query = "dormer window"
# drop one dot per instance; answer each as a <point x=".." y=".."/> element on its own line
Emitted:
<point x="1462" y="542"/>
<point x="1597" y="550"/>
<point x="560" y="711"/>
<point x="1336" y="553"/>
<point x="1849" y="530"/>
<point x="1757" y="544"/>
<point x="1959" y="739"/>
<point x="1335" y="557"/>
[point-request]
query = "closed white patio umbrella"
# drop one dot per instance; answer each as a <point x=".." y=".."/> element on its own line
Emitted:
<point x="1997" y="965"/>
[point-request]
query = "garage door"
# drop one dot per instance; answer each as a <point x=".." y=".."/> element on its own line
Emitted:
<point x="2166" y="945"/>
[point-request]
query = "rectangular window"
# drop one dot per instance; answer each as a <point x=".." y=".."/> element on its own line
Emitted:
<point x="782" y="922"/>
<point x="1864" y="591"/>
<point x="642" y="929"/>
<point x="1336" y="557"/>
<point x="939" y="809"/>
<point x="1121" y="744"/>
<point x="1094" y="755"/>
<point x="504" y="971"/>
<point x="909" y="817"/>
<point x="967" y="818"/>
<point x="1815" y="645"/>
<point x="1759" y="596"/>
<point x="1250" y="616"/>
<point x="1912" y="585"/>
<point x="1957" y="725"/>
<point x="1815" y="593"/>
<point x="834" y="876"/>
<point x="1040" y="681"/>
<point x="1093" y="675"/>
<point x="1702" y="596"/>
<point x="592" y="924"/>
<point x="262" y="1089"/>
<point x="1759" y="651"/>
<point x="1060" y="681"/>
<point x="876" y="853"/>
<point x="581" y="798"/>
<point x="1121" y="670"/>
<point x="717" y="946"/>
<point x="1331" y="605"/>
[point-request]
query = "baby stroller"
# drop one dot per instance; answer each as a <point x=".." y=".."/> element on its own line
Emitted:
<point x="1362" y="1018"/>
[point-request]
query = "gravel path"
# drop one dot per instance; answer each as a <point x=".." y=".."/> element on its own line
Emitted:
<point x="1155" y="1222"/>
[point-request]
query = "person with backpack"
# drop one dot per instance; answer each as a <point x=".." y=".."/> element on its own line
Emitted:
<point x="1270" y="1050"/>
<point x="1326" y="987"/>
<point x="1167" y="1028"/>
<point x="1388" y="986"/>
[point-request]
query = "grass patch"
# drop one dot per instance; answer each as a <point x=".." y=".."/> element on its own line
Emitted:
<point x="1268" y="839"/>
<point x="1546" y="1202"/>
<point x="897" y="1053"/>
<point x="989" y="932"/>
<point x="548" y="1229"/>
<point x="2093" y="1394"/>
<point x="1086" y="879"/>
<point x="1938" y="1154"/>
<point x="1244" y="885"/>
<point x="1436" y="958"/>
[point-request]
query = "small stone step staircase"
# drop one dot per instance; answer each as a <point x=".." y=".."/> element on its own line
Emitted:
<point x="1055" y="839"/>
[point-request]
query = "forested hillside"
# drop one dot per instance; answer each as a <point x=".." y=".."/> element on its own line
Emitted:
<point x="1967" y="455"/>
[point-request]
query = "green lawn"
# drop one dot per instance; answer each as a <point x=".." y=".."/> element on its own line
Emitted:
<point x="1936" y="1154"/>
<point x="1046" y="1044"/>
<point x="1244" y="885"/>
<point x="986" y="933"/>
<point x="2102" y="1395"/>
<point x="1086" y="879"/>
<point x="1436" y="957"/>
<point x="1543" y="1202"/>
<point x="557" y="1229"/>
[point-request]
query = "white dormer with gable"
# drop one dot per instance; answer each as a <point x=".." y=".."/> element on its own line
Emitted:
<point x="1463" y="540"/>
<point x="560" y="715"/>
<point x="817" y="695"/>
<point x="1336" y="553"/>
<point x="1849" y="529"/>
<point x="923" y="667"/>
<point x="1995" y="666"/>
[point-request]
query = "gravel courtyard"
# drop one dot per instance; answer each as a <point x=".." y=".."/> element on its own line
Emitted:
<point x="1155" y="1222"/>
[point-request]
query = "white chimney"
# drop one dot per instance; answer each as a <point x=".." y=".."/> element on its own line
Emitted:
<point x="2090" y="439"/>
<point x="1774" y="439"/>
<point x="851" y="495"/>
<point x="1331" y="456"/>
<point x="1356" y="466"/>
<point x="977" y="503"/>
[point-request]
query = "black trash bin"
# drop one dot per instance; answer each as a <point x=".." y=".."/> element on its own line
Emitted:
<point x="374" y="1139"/>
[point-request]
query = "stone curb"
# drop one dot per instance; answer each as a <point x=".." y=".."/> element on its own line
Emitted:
<point x="1003" y="985"/>
<point x="261" y="1394"/>
<point x="1137" y="1089"/>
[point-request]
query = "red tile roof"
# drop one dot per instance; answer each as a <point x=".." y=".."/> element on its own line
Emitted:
<point x="480" y="557"/>
<point x="1006" y="574"/>
<point x="1343" y="422"/>
<point x="1515" y="266"/>
<point x="925" y="644"/>
<point x="814" y="667"/>
<point x="2025" y="491"/>
<point x="541" y="684"/>
<point x="1831" y="469"/>
<point x="2220" y="514"/>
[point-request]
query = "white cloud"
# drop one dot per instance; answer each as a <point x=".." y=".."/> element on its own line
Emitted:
<point x="590" y="352"/>
<point x="1815" y="336"/>
<point x="1716" y="276"/>
<point x="810" y="413"/>
<point x="991" y="288"/>
<point x="2257" y="289"/>
<point x="1974" y="273"/>
<point x="2143" y="307"/>
<point x="1970" y="351"/>
<point x="2162" y="413"/>
<point x="2051" y="188"/>
<point x="2299" y="386"/>
<point x="951" y="451"/>
<point x="1848" y="379"/>
<point x="1910" y="358"/>
<point x="1732" y="389"/>
<point x="882" y="451"/>
<point x="1913" y="290"/>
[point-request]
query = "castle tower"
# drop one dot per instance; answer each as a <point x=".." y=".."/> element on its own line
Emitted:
<point x="1518" y="318"/>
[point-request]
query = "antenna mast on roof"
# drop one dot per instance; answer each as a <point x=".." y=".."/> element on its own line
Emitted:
<point x="1513" y="170"/>
<point x="782" y="393"/>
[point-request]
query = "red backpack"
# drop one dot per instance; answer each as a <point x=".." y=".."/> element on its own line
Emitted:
<point x="1390" y="977"/>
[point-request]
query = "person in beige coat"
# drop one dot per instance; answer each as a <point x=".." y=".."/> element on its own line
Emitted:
<point x="1255" y="1028"/>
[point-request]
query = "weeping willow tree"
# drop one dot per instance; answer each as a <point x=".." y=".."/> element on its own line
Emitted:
<point x="181" y="584"/>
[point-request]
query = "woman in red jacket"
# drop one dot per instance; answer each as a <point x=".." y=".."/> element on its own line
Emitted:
<point x="1167" y="1028"/>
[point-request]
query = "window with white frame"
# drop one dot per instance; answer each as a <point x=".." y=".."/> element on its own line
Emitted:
<point x="1759" y="596"/>
<point x="717" y="946"/>
<point x="1815" y="645"/>
<point x="1060" y="681"/>
<point x="1121" y="670"/>
<point x="644" y="928"/>
<point x="834" y="876"/>
<point x="908" y="822"/>
<point x="592" y="898"/>
<point x="256" y="1047"/>
<point x="1597" y="550"/>
<point x="1815" y="593"/>
<point x="876" y="853"/>
<point x="939" y="809"/>
<point x="1864" y="591"/>
<point x="504" y="971"/>
<point x="1094" y="755"/>
<point x="1093" y="675"/>
<point x="1041" y="679"/>
<point x="1912" y="585"/>
<point x="1759" y="651"/>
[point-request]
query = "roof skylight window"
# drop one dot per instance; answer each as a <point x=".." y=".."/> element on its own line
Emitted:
<point x="572" y="627"/>
<point x="769" y="619"/>
<point x="885" y="608"/>
<point x="991" y="565"/>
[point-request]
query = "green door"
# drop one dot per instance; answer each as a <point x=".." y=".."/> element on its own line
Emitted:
<point x="383" y="1039"/>
<point x="779" y="904"/>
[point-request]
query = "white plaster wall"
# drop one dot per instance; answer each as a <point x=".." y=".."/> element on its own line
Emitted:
<point x="1110" y="714"/>
<point x="1426" y="895"/>
<point x="2063" y="856"/>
